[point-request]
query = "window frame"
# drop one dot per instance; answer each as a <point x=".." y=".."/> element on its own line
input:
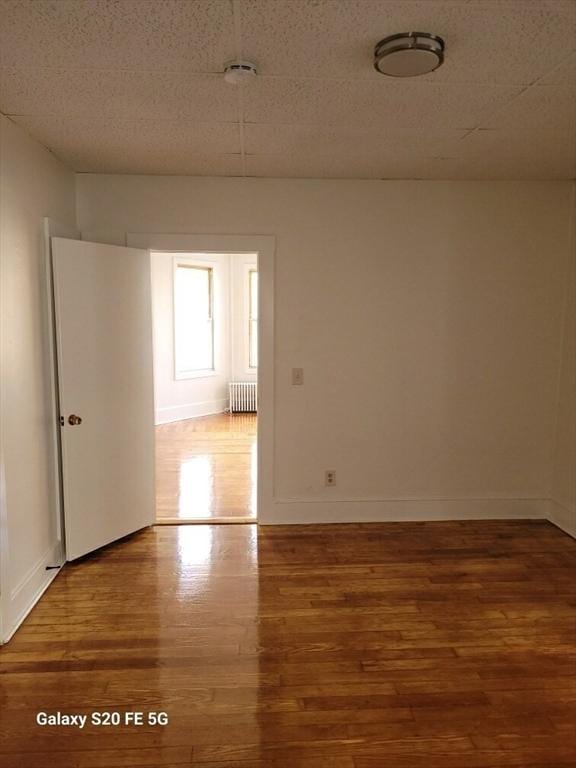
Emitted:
<point x="252" y="368"/>
<point x="189" y="262"/>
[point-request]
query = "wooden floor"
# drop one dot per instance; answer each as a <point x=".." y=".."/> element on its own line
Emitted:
<point x="417" y="645"/>
<point x="206" y="468"/>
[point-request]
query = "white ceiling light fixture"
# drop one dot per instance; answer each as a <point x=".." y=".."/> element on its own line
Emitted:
<point x="239" y="72"/>
<point x="409" y="54"/>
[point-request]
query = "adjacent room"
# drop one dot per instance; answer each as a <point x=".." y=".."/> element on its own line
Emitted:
<point x="288" y="402"/>
<point x="205" y="349"/>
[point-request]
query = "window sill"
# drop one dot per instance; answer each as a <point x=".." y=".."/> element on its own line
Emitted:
<point x="185" y="375"/>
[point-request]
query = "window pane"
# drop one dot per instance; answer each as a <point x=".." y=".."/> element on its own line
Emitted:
<point x="193" y="319"/>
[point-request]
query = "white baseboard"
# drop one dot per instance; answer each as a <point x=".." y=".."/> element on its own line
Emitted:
<point x="189" y="411"/>
<point x="563" y="517"/>
<point x="30" y="589"/>
<point x="285" y="512"/>
<point x="26" y="594"/>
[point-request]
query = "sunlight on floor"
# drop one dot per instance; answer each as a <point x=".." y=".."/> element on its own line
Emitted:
<point x="196" y="488"/>
<point x="206" y="468"/>
<point x="194" y="545"/>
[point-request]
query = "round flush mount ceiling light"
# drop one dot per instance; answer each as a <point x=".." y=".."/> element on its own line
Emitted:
<point x="239" y="72"/>
<point x="409" y="54"/>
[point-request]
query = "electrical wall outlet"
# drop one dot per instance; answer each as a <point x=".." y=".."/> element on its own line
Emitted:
<point x="330" y="477"/>
<point x="297" y="377"/>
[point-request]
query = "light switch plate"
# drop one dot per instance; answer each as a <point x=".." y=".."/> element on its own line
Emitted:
<point x="297" y="377"/>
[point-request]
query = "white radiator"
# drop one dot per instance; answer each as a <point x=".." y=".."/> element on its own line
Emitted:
<point x="243" y="396"/>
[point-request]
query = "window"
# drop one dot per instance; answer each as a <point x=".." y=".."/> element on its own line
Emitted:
<point x="253" y="319"/>
<point x="193" y="319"/>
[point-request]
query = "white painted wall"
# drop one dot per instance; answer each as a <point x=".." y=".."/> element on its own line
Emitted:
<point x="563" y="494"/>
<point x="427" y="317"/>
<point x="33" y="184"/>
<point x="186" y="398"/>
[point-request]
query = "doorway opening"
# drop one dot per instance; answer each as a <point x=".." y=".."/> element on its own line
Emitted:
<point x="205" y="316"/>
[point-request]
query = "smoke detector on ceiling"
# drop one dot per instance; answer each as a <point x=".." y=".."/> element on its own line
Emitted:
<point x="409" y="54"/>
<point x="239" y="72"/>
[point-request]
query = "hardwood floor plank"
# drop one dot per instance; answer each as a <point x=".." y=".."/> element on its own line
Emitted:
<point x="206" y="469"/>
<point x="412" y="645"/>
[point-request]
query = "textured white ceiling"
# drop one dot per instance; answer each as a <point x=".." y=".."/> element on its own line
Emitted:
<point x="135" y="86"/>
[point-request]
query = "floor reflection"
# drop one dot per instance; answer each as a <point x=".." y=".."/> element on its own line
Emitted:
<point x="194" y="545"/>
<point x="206" y="467"/>
<point x="196" y="487"/>
<point x="209" y="673"/>
<point x="413" y="645"/>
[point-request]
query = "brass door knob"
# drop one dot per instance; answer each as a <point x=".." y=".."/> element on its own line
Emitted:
<point x="74" y="420"/>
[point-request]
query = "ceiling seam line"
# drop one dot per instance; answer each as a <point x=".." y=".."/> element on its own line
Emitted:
<point x="237" y="17"/>
<point x="534" y="84"/>
<point x="494" y="113"/>
<point x="268" y="76"/>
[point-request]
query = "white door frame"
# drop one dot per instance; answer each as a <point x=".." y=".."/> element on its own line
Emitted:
<point x="5" y="621"/>
<point x="265" y="247"/>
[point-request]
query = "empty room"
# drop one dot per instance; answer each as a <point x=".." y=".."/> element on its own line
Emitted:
<point x="288" y="394"/>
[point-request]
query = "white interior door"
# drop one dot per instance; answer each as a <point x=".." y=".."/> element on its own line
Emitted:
<point x="105" y="381"/>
